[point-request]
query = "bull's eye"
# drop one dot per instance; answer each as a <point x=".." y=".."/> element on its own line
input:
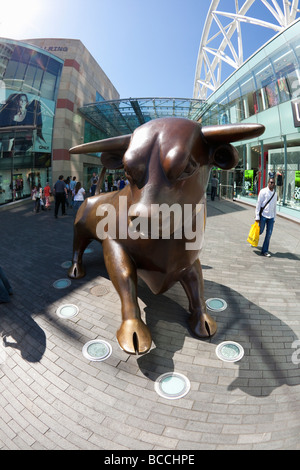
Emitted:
<point x="189" y="169"/>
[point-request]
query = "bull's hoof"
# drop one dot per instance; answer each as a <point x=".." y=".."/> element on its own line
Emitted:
<point x="76" y="271"/>
<point x="134" y="337"/>
<point x="203" y="325"/>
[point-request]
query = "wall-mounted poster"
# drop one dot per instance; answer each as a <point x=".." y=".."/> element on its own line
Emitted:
<point x="249" y="174"/>
<point x="297" y="185"/>
<point x="26" y="123"/>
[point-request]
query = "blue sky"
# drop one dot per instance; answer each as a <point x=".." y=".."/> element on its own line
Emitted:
<point x="147" y="48"/>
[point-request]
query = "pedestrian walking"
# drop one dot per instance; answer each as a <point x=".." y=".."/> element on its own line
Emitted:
<point x="67" y="181"/>
<point x="47" y="194"/>
<point x="79" y="194"/>
<point x="94" y="177"/>
<point x="35" y="196"/>
<point x="60" y="192"/>
<point x="42" y="204"/>
<point x="214" y="186"/>
<point x="72" y="187"/>
<point x="265" y="213"/>
<point x="93" y="188"/>
<point x="122" y="183"/>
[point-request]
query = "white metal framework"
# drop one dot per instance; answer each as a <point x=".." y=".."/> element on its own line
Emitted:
<point x="222" y="41"/>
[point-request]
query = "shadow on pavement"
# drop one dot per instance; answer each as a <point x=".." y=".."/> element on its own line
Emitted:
<point x="221" y="207"/>
<point x="267" y="341"/>
<point x="32" y="251"/>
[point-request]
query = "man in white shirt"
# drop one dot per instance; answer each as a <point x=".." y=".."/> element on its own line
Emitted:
<point x="266" y="213"/>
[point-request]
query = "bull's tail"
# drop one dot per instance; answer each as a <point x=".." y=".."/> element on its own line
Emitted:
<point x="100" y="180"/>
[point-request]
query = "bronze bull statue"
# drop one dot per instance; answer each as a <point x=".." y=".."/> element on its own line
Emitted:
<point x="167" y="162"/>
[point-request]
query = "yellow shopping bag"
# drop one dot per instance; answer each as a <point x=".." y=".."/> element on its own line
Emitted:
<point x="253" y="236"/>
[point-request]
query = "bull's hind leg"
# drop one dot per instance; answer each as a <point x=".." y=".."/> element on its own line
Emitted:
<point x="133" y="336"/>
<point x="80" y="243"/>
<point x="201" y="323"/>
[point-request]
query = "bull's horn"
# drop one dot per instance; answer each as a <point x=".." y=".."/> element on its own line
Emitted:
<point x="105" y="145"/>
<point x="232" y="132"/>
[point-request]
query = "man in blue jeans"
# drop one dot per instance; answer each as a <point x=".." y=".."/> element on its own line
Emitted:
<point x="60" y="192"/>
<point x="266" y="213"/>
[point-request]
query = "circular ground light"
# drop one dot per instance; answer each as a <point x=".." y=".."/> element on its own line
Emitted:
<point x="97" y="350"/>
<point x="172" y="385"/>
<point x="230" y="351"/>
<point x="216" y="305"/>
<point x="66" y="264"/>
<point x="61" y="283"/>
<point x="99" y="290"/>
<point x="67" y="311"/>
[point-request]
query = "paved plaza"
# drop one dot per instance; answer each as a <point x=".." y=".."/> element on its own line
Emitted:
<point x="53" y="397"/>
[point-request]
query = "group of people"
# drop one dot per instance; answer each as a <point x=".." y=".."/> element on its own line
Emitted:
<point x="41" y="197"/>
<point x="114" y="185"/>
<point x="63" y="189"/>
<point x="65" y="192"/>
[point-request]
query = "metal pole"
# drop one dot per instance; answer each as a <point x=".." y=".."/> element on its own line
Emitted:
<point x="285" y="169"/>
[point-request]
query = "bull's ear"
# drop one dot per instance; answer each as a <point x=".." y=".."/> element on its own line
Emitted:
<point x="231" y="132"/>
<point x="113" y="160"/>
<point x="106" y="145"/>
<point x="224" y="156"/>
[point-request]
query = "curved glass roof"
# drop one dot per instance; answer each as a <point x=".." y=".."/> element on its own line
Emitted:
<point x="120" y="117"/>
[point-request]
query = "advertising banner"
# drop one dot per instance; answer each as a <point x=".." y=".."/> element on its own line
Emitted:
<point x="249" y="175"/>
<point x="296" y="112"/>
<point x="26" y="123"/>
<point x="297" y="185"/>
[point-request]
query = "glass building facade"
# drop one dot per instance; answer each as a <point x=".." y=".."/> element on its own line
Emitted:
<point x="266" y="90"/>
<point x="29" y="83"/>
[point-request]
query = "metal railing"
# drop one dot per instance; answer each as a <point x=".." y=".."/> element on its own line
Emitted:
<point x="228" y="191"/>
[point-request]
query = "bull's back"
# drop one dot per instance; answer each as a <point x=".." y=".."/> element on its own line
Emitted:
<point x="87" y="219"/>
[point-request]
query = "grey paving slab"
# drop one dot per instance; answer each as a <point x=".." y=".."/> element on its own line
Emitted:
<point x="52" y="397"/>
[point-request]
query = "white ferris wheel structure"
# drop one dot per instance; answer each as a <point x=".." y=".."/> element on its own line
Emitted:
<point x="222" y="40"/>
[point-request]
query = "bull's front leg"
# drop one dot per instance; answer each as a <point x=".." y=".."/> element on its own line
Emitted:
<point x="80" y="243"/>
<point x="201" y="323"/>
<point x="133" y="336"/>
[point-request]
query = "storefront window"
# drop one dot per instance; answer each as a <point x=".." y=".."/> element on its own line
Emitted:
<point x="284" y="67"/>
<point x="18" y="175"/>
<point x="263" y="84"/>
<point x="235" y="107"/>
<point x="249" y="100"/>
<point x="223" y="110"/>
<point x="287" y="175"/>
<point x="28" y="95"/>
<point x="293" y="82"/>
<point x="211" y="117"/>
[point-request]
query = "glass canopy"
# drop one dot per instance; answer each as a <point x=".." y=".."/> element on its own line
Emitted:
<point x="119" y="117"/>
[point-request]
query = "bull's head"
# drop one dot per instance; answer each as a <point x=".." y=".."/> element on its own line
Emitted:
<point x="169" y="159"/>
<point x="183" y="147"/>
